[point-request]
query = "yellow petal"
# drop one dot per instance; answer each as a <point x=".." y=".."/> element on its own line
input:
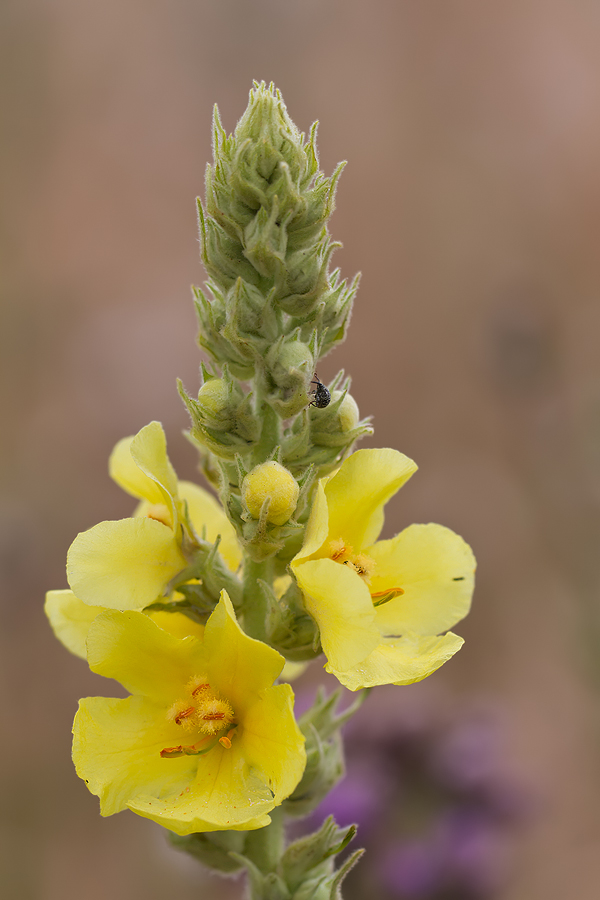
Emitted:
<point x="401" y="661"/>
<point x="225" y="794"/>
<point x="70" y="619"/>
<point x="272" y="743"/>
<point x="116" y="750"/>
<point x="340" y="603"/>
<point x="317" y="527"/>
<point x="206" y="511"/>
<point x="149" y="452"/>
<point x="124" y="564"/>
<point x="145" y="659"/>
<point x="127" y="474"/>
<point x="358" y="492"/>
<point x="435" y="569"/>
<point x="176" y="623"/>
<point x="238" y="666"/>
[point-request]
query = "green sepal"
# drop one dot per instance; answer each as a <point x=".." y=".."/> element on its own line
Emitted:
<point x="321" y="726"/>
<point x="308" y="861"/>
<point x="217" y="849"/>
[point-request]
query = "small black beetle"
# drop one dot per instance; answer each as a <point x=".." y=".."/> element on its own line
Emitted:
<point x="321" y="396"/>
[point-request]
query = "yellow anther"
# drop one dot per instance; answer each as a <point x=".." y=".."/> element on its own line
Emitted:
<point x="198" y="685"/>
<point x="338" y="550"/>
<point x="362" y="564"/>
<point x="182" y="714"/>
<point x="214" y="714"/>
<point x="226" y="739"/>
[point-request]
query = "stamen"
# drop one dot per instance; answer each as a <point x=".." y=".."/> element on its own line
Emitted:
<point x="364" y="565"/>
<point x="381" y="597"/>
<point x="338" y="549"/>
<point x="197" y="749"/>
<point x="207" y="715"/>
<point x="182" y="714"/>
<point x="226" y="739"/>
<point x="214" y="714"/>
<point x="197" y="685"/>
<point x="185" y="714"/>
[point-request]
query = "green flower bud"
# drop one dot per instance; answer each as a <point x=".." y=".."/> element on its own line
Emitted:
<point x="270" y="482"/>
<point x="348" y="414"/>
<point x="291" y="365"/>
<point x="214" y="397"/>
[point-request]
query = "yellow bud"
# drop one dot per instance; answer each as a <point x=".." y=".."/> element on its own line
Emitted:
<point x="270" y="480"/>
<point x="213" y="396"/>
<point x="348" y="413"/>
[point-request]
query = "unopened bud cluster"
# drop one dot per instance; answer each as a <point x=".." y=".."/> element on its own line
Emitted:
<point x="271" y="310"/>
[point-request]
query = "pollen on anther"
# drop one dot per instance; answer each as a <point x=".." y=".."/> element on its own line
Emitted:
<point x="364" y="565"/>
<point x="214" y="715"/>
<point x="198" y="684"/>
<point x="182" y="713"/>
<point x="338" y="550"/>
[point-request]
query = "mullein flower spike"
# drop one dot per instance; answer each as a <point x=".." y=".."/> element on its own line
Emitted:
<point x="289" y="552"/>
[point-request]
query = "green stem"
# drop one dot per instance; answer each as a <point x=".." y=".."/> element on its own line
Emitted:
<point x="271" y="430"/>
<point x="255" y="604"/>
<point x="265" y="846"/>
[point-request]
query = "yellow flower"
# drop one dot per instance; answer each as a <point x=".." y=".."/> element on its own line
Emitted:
<point x="382" y="607"/>
<point x="71" y="619"/>
<point x="205" y="742"/>
<point x="127" y="564"/>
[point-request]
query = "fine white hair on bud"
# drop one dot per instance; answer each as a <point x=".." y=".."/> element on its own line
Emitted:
<point x="271" y="482"/>
<point x="348" y="413"/>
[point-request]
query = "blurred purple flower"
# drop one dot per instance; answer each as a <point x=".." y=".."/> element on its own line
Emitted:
<point x="357" y="799"/>
<point x="411" y="869"/>
<point x="473" y="851"/>
<point x="466" y="756"/>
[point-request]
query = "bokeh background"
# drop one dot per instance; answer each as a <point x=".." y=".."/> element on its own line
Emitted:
<point x="471" y="203"/>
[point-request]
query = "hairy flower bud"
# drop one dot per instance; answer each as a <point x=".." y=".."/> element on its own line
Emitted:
<point x="270" y="482"/>
<point x="291" y="365"/>
<point x="213" y="396"/>
<point x="348" y="414"/>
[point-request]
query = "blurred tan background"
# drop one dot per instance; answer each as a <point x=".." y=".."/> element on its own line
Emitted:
<point x="471" y="203"/>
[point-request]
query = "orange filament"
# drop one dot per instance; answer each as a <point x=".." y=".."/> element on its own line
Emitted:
<point x="381" y="597"/>
<point x="397" y="591"/>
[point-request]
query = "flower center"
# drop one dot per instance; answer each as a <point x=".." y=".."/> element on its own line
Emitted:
<point x="364" y="566"/>
<point x="202" y="714"/>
